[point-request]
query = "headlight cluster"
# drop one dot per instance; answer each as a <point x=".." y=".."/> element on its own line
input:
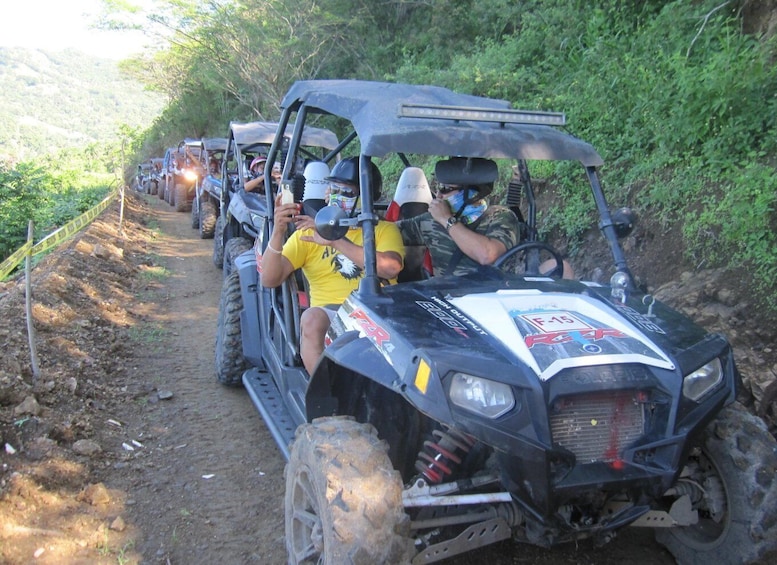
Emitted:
<point x="702" y="380"/>
<point x="190" y="175"/>
<point x="481" y="396"/>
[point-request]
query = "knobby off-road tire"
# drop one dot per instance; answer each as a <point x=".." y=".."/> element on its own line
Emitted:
<point x="195" y="219"/>
<point x="218" y="243"/>
<point x="739" y="456"/>
<point x="232" y="248"/>
<point x="170" y="196"/>
<point x="343" y="498"/>
<point x="230" y="363"/>
<point x="181" y="203"/>
<point x="162" y="189"/>
<point x="207" y="219"/>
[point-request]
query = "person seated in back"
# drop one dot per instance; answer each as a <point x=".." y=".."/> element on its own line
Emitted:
<point x="333" y="268"/>
<point x="461" y="230"/>
<point x="256" y="170"/>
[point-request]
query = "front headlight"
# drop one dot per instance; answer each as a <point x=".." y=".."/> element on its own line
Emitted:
<point x="702" y="380"/>
<point x="190" y="175"/>
<point x="481" y="396"/>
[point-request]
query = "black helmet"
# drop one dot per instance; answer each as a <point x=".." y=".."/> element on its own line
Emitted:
<point x="347" y="171"/>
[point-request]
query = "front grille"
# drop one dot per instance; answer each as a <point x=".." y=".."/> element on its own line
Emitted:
<point x="597" y="427"/>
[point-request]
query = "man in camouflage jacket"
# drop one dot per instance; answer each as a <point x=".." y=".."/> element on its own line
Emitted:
<point x="460" y="229"/>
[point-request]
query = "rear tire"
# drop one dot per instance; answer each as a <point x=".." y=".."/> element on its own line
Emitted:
<point x="218" y="243"/>
<point x="737" y="465"/>
<point x="208" y="216"/>
<point x="343" y="500"/>
<point x="232" y="249"/>
<point x="230" y="363"/>
<point x="162" y="189"/>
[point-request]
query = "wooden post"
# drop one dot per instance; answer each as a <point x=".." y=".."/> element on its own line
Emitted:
<point x="28" y="308"/>
<point x="121" y="210"/>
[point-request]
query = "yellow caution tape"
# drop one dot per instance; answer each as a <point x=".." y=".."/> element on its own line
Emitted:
<point x="55" y="237"/>
<point x="15" y="258"/>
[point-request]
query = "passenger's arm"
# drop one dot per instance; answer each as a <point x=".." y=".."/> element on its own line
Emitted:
<point x="389" y="259"/>
<point x="482" y="249"/>
<point x="255" y="184"/>
<point x="275" y="267"/>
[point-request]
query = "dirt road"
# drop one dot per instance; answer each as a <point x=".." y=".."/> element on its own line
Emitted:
<point x="211" y="489"/>
<point x="132" y="452"/>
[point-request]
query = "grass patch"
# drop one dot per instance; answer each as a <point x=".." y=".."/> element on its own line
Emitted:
<point x="147" y="334"/>
<point x="154" y="273"/>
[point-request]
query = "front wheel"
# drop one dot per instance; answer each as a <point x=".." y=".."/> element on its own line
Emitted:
<point x="195" y="219"/>
<point x="207" y="219"/>
<point x="181" y="200"/>
<point x="343" y="498"/>
<point x="230" y="363"/>
<point x="735" y="465"/>
<point x="218" y="243"/>
<point x="234" y="247"/>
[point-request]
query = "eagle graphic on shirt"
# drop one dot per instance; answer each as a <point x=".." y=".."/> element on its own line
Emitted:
<point x="347" y="268"/>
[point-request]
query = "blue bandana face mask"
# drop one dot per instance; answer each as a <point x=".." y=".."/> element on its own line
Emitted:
<point x="471" y="211"/>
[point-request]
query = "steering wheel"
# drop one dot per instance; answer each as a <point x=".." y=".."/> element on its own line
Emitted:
<point x="556" y="272"/>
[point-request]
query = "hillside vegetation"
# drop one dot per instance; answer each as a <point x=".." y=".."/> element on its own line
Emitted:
<point x="55" y="100"/>
<point x="65" y="119"/>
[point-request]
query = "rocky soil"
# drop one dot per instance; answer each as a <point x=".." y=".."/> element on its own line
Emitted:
<point x="126" y="450"/>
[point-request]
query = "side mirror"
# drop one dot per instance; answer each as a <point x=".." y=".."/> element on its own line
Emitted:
<point x="328" y="223"/>
<point x="623" y="219"/>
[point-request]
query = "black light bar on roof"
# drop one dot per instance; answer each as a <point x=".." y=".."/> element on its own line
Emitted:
<point x="481" y="115"/>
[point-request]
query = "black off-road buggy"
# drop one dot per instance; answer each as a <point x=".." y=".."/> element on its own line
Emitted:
<point x="207" y="199"/>
<point x="453" y="412"/>
<point x="241" y="214"/>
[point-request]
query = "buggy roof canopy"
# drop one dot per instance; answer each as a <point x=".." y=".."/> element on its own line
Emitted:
<point x="215" y="144"/>
<point x="376" y="111"/>
<point x="253" y="133"/>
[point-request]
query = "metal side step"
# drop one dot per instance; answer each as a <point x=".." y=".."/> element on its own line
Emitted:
<point x="268" y="401"/>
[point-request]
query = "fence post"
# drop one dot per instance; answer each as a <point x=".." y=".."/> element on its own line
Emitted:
<point x="28" y="306"/>
<point x="121" y="210"/>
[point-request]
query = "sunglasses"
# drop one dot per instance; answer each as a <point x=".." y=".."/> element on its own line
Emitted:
<point x="347" y="191"/>
<point x="447" y="188"/>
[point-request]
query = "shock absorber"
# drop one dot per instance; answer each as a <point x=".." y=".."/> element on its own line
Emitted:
<point x="440" y="457"/>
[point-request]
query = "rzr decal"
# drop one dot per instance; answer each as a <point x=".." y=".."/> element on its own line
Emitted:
<point x="370" y="328"/>
<point x="584" y="337"/>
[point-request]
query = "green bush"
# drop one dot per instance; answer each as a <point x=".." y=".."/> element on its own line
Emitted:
<point x="49" y="198"/>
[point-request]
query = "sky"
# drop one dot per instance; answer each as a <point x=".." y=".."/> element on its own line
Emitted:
<point x="58" y="24"/>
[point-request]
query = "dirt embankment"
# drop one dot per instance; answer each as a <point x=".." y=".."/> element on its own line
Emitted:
<point x="127" y="450"/>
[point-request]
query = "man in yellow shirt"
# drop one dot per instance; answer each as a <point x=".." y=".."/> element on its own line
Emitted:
<point x="333" y="268"/>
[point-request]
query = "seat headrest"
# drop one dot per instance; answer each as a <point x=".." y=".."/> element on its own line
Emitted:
<point x="315" y="185"/>
<point x="412" y="187"/>
<point x="465" y="171"/>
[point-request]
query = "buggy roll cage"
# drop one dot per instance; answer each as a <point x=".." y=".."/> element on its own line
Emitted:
<point x="429" y="120"/>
